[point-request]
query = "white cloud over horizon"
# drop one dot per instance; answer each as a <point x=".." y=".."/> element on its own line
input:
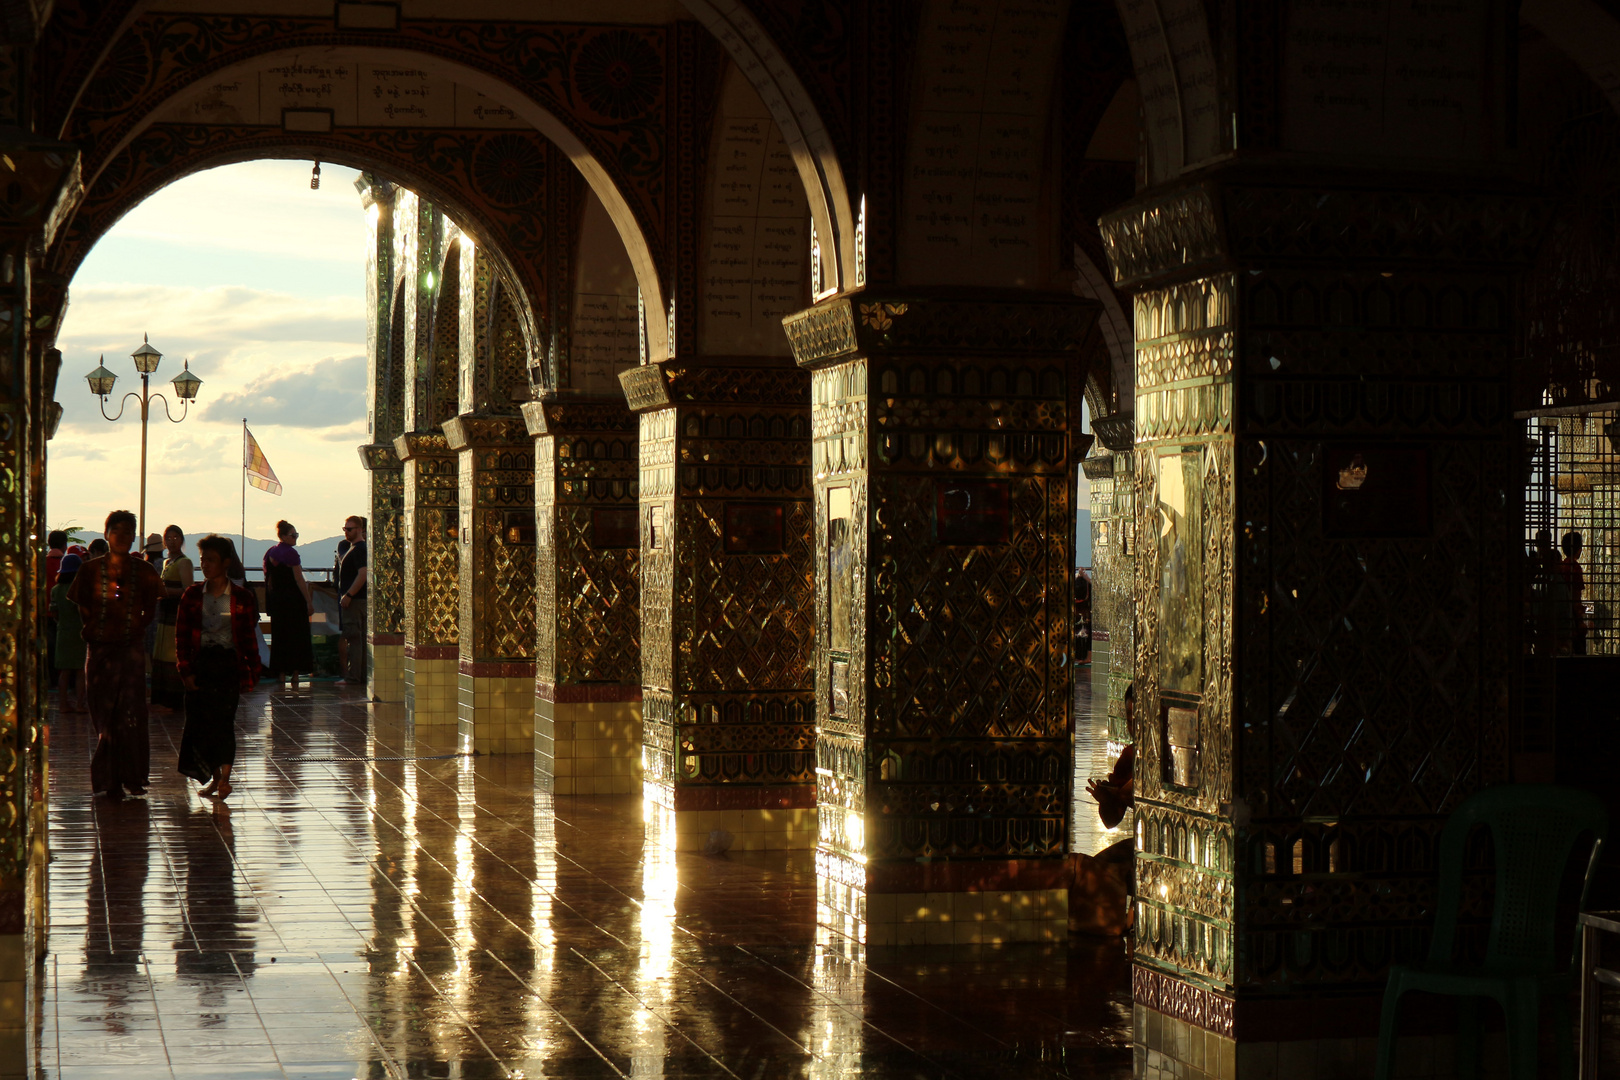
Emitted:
<point x="259" y="282"/>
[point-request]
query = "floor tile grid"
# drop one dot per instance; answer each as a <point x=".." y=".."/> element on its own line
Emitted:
<point x="897" y="987"/>
<point x="322" y="759"/>
<point x="361" y="937"/>
<point x="921" y="1001"/>
<point x="340" y="781"/>
<point x="649" y="1007"/>
<point x="274" y="926"/>
<point x="691" y="969"/>
<point x="152" y="982"/>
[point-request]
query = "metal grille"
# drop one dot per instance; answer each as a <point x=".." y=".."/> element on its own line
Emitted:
<point x="1574" y="486"/>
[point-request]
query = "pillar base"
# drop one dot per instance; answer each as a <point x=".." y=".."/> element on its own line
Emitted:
<point x="981" y="902"/>
<point x="587" y="739"/>
<point x="758" y="818"/>
<point x="430" y="688"/>
<point x="385" y="672"/>
<point x="495" y="707"/>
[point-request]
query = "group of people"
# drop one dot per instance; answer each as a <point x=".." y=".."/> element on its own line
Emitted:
<point x="114" y="610"/>
<point x="1558" y="594"/>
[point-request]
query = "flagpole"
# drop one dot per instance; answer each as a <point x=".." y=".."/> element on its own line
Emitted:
<point x="244" y="490"/>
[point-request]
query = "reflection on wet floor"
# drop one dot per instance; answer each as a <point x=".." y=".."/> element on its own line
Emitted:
<point x="370" y="906"/>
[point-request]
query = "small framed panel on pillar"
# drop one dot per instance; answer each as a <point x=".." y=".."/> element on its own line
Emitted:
<point x="385" y="580"/>
<point x="727" y="611"/>
<point x="587" y="688"/>
<point x="432" y="598"/>
<point x="495" y="671"/>
<point x="944" y="547"/>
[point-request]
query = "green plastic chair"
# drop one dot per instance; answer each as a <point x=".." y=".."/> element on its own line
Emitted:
<point x="1535" y="828"/>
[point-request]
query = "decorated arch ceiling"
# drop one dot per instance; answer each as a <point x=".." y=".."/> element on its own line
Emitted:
<point x="620" y="87"/>
<point x="506" y="187"/>
<point x="176" y="92"/>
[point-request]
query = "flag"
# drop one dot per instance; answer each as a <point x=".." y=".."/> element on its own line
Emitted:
<point x="259" y="472"/>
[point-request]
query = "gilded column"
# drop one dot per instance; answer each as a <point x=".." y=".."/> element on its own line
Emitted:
<point x="1325" y="629"/>
<point x="495" y="671"/>
<point x="496" y="533"/>
<point x="587" y="688"/>
<point x="385" y="398"/>
<point x="727" y="610"/>
<point x="944" y="545"/>
<point x="432" y="562"/>
<point x="45" y="184"/>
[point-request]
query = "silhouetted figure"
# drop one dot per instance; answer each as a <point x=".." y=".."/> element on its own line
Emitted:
<point x="1575" y="585"/>
<point x="217" y="655"/>
<point x="117" y="596"/>
<point x="287" y="600"/>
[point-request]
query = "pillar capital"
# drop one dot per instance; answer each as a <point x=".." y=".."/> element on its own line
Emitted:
<point x="561" y="415"/>
<point x="421" y="444"/>
<point x="474" y="432"/>
<point x="1236" y="218"/>
<point x="937" y="322"/>
<point x="717" y="381"/>
<point x="375" y="457"/>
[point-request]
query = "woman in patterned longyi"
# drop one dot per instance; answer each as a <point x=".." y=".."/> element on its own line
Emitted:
<point x="217" y="654"/>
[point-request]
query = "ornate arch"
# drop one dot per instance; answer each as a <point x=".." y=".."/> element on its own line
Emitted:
<point x="441" y="166"/>
<point x="565" y="81"/>
<point x="605" y="95"/>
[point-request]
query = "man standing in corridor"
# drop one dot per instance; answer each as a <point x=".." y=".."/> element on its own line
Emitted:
<point x="352" y="599"/>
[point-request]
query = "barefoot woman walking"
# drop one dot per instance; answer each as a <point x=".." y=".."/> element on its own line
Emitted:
<point x="217" y="655"/>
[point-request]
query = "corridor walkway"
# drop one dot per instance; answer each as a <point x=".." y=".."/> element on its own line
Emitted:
<point x="373" y="906"/>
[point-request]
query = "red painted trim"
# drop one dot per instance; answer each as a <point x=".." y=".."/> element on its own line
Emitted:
<point x="572" y="692"/>
<point x="497" y="669"/>
<point x="386" y="639"/>
<point x="730" y="797"/>
<point x="432" y="652"/>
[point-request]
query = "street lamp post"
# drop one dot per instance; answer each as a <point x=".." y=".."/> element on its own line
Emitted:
<point x="146" y="361"/>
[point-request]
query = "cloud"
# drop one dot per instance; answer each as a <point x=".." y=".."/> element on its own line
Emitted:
<point x="332" y="392"/>
<point x="264" y="207"/>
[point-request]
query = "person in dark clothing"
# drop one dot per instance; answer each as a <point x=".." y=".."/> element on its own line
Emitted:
<point x="217" y="655"/>
<point x="117" y="595"/>
<point x="352" y="574"/>
<point x="1575" y="583"/>
<point x="287" y="599"/>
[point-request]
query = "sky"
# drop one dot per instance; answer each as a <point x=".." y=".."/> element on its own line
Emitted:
<point x="260" y="283"/>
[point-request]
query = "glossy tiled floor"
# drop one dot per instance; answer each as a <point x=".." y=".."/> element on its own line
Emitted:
<point x="369" y="906"/>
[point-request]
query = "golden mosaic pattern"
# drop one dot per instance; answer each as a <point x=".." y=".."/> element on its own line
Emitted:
<point x="385" y="543"/>
<point x="432" y="561"/>
<point x="497" y="573"/>
<point x="955" y="683"/>
<point x="589" y="597"/>
<point x="1186" y="922"/>
<point x="728" y="635"/>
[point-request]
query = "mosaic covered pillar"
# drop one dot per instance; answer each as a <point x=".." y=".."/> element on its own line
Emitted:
<point x="727" y="614"/>
<point x="385" y="416"/>
<point x="495" y="670"/>
<point x="432" y="561"/>
<point x="944" y="545"/>
<point x="1325" y="467"/>
<point x="587" y="682"/>
<point x="496" y="533"/>
<point x="44" y="177"/>
<point x="432" y="614"/>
